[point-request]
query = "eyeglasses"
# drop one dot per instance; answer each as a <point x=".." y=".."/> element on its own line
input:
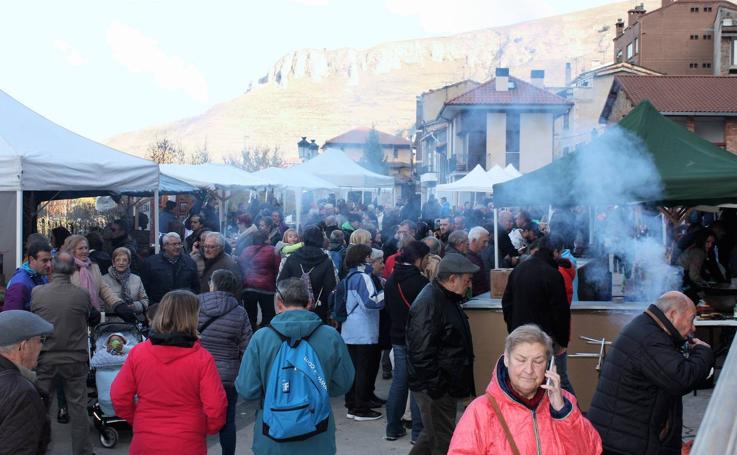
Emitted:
<point x="211" y="247"/>
<point x="44" y="338"/>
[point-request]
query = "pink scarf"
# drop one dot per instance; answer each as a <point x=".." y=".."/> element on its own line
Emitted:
<point x="87" y="281"/>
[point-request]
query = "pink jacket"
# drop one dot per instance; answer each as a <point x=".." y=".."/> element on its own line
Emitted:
<point x="172" y="396"/>
<point x="480" y="432"/>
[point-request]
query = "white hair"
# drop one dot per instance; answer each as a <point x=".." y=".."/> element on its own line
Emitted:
<point x="476" y="232"/>
<point x="218" y="238"/>
<point x="168" y="236"/>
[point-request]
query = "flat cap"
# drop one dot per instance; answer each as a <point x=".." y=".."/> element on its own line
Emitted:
<point x="456" y="263"/>
<point x="19" y="325"/>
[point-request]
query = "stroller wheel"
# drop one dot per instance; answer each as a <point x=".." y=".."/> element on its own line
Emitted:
<point x="108" y="437"/>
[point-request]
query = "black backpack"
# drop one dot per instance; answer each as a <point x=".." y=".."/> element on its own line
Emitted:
<point x="338" y="299"/>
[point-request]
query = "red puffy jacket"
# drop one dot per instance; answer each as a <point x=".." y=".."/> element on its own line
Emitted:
<point x="260" y="265"/>
<point x="480" y="432"/>
<point x="180" y="398"/>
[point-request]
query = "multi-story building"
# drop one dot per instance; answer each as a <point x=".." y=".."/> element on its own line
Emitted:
<point x="503" y="121"/>
<point x="706" y="105"/>
<point x="695" y="37"/>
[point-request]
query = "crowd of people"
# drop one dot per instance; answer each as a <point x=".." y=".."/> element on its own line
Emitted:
<point x="358" y="291"/>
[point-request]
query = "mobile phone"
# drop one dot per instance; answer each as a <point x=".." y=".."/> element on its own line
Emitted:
<point x="550" y="367"/>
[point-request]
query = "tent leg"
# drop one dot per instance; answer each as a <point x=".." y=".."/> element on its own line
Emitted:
<point x="18" y="228"/>
<point x="496" y="238"/>
<point x="155" y="222"/>
<point x="298" y="207"/>
<point x="664" y="224"/>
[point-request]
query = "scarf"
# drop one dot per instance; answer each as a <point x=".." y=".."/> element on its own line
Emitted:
<point x="122" y="279"/>
<point x="177" y="339"/>
<point x="35" y="277"/>
<point x="87" y="281"/>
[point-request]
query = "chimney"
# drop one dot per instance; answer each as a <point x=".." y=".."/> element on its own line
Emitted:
<point x="502" y="80"/>
<point x="634" y="14"/>
<point x="537" y="77"/>
<point x="568" y="74"/>
<point x="619" y="27"/>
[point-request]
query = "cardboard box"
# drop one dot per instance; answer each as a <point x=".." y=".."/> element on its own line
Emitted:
<point x="498" y="280"/>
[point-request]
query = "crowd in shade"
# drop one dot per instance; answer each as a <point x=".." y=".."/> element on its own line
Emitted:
<point x="289" y="317"/>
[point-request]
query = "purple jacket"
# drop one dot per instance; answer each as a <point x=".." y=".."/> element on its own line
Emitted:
<point x="18" y="293"/>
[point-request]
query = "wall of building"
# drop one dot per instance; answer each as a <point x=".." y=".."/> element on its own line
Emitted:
<point x="584" y="116"/>
<point x="433" y="102"/>
<point x="622" y="106"/>
<point x="536" y="141"/>
<point x="496" y="139"/>
<point x="727" y="57"/>
<point x="730" y="134"/>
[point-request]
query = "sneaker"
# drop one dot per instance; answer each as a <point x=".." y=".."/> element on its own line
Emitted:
<point x="350" y="415"/>
<point x="394" y="437"/>
<point x="362" y="416"/>
<point x="407" y="424"/>
<point x="62" y="416"/>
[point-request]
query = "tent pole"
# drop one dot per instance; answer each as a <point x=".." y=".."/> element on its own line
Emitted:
<point x="155" y="221"/>
<point x="298" y="207"/>
<point x="496" y="238"/>
<point x="221" y="199"/>
<point x="591" y="227"/>
<point x="664" y="223"/>
<point x="18" y="228"/>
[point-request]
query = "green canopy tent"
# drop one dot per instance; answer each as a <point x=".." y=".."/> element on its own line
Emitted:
<point x="616" y="167"/>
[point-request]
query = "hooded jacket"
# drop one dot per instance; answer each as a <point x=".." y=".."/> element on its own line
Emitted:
<point x="25" y="427"/>
<point x="170" y="391"/>
<point x="536" y="294"/>
<point x="260" y="264"/>
<point x="439" y="345"/>
<point x="363" y="302"/>
<point x="538" y="431"/>
<point x="637" y="406"/>
<point x="323" y="277"/>
<point x="227" y="336"/>
<point x="256" y="366"/>
<point x="410" y="279"/>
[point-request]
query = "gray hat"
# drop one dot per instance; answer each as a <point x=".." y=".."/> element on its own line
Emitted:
<point x="19" y="325"/>
<point x="456" y="263"/>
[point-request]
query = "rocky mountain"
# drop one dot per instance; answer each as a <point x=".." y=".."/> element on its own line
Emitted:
<point x="321" y="93"/>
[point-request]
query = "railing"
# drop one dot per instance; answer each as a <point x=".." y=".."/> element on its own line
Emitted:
<point x="718" y="431"/>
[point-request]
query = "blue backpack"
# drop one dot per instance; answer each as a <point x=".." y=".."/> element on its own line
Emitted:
<point x="296" y="403"/>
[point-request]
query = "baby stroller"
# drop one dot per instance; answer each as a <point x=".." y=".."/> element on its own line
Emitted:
<point x="105" y="366"/>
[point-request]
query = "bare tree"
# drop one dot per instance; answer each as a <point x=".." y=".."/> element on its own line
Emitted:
<point x="256" y="159"/>
<point x="164" y="151"/>
<point x="201" y="155"/>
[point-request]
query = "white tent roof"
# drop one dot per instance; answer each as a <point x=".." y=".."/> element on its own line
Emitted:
<point x="498" y="174"/>
<point x="475" y="181"/>
<point x="36" y="154"/>
<point x="510" y="169"/>
<point x="334" y="166"/>
<point x="212" y="175"/>
<point x="293" y="178"/>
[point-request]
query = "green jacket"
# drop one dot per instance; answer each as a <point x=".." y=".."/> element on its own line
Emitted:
<point x="256" y="366"/>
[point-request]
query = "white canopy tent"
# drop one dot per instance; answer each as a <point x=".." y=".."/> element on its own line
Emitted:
<point x="36" y="154"/>
<point x="511" y="170"/>
<point x="498" y="174"/>
<point x="476" y="181"/>
<point x="334" y="166"/>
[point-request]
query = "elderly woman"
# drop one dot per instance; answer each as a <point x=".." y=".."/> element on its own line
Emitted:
<point x="87" y="274"/>
<point x="126" y="286"/>
<point x="520" y="413"/>
<point x="169" y="388"/>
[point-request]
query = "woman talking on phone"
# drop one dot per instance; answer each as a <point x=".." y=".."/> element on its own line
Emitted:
<point x="524" y="410"/>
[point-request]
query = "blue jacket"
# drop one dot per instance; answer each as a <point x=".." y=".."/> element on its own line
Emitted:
<point x="256" y="366"/>
<point x="18" y="292"/>
<point x="363" y="305"/>
<point x="227" y="336"/>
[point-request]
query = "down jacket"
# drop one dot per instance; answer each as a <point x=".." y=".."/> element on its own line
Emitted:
<point x="637" y="406"/>
<point x="539" y="431"/>
<point x="170" y="391"/>
<point x="439" y="345"/>
<point x="227" y="336"/>
<point x="135" y="287"/>
<point x="24" y="423"/>
<point x="260" y="265"/>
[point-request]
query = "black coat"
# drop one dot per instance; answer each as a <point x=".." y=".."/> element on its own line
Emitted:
<point x="439" y="346"/>
<point x="536" y="294"/>
<point x="322" y="274"/>
<point x="637" y="406"/>
<point x="25" y="426"/>
<point x="412" y="282"/>
<point x="159" y="276"/>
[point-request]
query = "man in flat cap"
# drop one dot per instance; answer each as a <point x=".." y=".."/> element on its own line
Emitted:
<point x="440" y="352"/>
<point x="24" y="423"/>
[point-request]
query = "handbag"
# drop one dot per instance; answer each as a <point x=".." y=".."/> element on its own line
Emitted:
<point x="503" y="421"/>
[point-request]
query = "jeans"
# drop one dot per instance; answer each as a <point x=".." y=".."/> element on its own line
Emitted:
<point x="227" y="434"/>
<point x="561" y="365"/>
<point x="397" y="400"/>
<point x="252" y="300"/>
<point x="439" y="420"/>
<point x="386" y="361"/>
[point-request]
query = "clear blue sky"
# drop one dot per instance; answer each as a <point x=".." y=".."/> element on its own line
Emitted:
<point x="102" y="67"/>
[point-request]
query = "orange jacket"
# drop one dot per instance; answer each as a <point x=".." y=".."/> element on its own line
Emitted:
<point x="480" y="432"/>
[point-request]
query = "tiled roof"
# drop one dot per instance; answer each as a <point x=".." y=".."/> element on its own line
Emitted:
<point x="522" y="93"/>
<point x="682" y="93"/>
<point x="360" y="136"/>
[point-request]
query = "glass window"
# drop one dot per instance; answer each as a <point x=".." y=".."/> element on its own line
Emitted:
<point x="513" y="139"/>
<point x="630" y="51"/>
<point x="637" y="45"/>
<point x="734" y="51"/>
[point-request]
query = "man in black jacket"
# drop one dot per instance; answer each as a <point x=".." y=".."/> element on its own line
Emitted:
<point x="440" y="352"/>
<point x="536" y="294"/>
<point x="637" y="406"/>
<point x="312" y="260"/>
<point x="169" y="270"/>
